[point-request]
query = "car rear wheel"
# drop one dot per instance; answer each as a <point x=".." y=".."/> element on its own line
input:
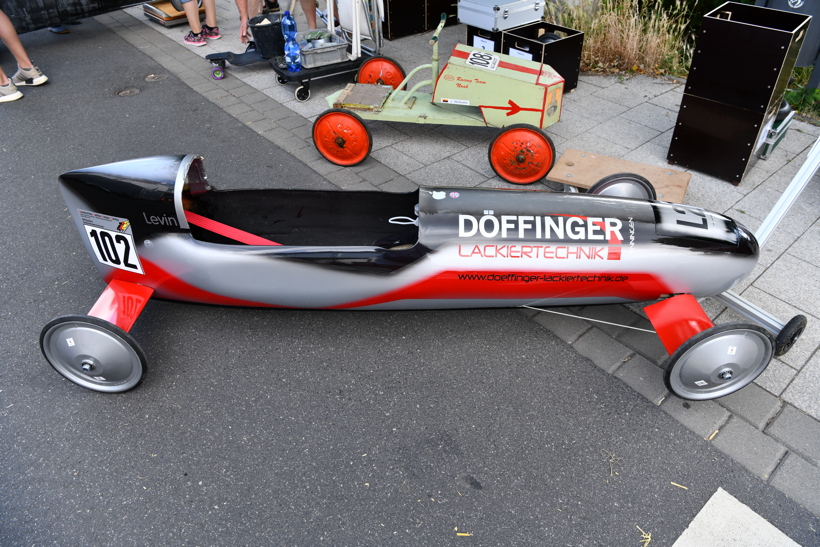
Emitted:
<point x="719" y="361"/>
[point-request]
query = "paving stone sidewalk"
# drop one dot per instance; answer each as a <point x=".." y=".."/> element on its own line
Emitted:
<point x="771" y="427"/>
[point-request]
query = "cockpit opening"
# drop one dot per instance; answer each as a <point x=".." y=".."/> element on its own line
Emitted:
<point x="302" y="217"/>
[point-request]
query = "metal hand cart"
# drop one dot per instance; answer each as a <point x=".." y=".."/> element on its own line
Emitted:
<point x="351" y="47"/>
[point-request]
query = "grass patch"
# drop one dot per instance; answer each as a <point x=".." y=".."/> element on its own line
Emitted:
<point x="654" y="37"/>
<point x="629" y="36"/>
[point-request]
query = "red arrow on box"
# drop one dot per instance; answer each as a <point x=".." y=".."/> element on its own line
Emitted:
<point x="513" y="108"/>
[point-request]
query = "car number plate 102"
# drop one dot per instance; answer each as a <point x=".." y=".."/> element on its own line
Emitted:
<point x="111" y="240"/>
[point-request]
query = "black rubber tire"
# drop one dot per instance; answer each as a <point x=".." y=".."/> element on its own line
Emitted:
<point x="783" y="112"/>
<point x="302" y="93"/>
<point x="786" y="338"/>
<point x="614" y="185"/>
<point x="549" y="38"/>
<point x="178" y="5"/>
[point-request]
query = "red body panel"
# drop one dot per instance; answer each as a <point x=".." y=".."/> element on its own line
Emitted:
<point x="121" y="303"/>
<point x="677" y="319"/>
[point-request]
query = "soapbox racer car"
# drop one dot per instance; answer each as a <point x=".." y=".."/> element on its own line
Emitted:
<point x="475" y="88"/>
<point x="155" y="227"/>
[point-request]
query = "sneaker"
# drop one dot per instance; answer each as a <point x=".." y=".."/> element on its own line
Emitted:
<point x="9" y="92"/>
<point x="194" y="39"/>
<point x="29" y="76"/>
<point x="211" y="33"/>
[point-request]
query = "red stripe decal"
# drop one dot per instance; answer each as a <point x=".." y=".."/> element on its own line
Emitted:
<point x="519" y="68"/>
<point x="226" y="231"/>
<point x="502" y="64"/>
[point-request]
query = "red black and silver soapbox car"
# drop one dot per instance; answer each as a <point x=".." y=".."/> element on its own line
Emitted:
<point x="156" y="227"/>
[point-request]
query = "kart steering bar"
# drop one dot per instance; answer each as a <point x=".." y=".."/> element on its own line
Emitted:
<point x="440" y="26"/>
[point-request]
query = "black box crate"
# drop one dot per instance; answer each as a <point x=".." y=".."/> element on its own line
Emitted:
<point x="563" y="55"/>
<point x="434" y="9"/>
<point x="716" y="138"/>
<point x="405" y="18"/>
<point x="481" y="34"/>
<point x="744" y="55"/>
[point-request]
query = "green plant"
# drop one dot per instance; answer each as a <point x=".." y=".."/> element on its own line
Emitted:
<point x="629" y="35"/>
<point x="804" y="100"/>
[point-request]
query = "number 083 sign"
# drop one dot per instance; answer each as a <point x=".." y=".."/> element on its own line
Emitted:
<point x="111" y="240"/>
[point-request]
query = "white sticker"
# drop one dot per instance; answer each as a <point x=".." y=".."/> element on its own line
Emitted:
<point x="456" y="101"/>
<point x="115" y="249"/>
<point x="483" y="43"/>
<point x="520" y="54"/>
<point x="70" y="342"/>
<point x="112" y="240"/>
<point x="701" y="383"/>
<point x="480" y="59"/>
<point x="732" y="350"/>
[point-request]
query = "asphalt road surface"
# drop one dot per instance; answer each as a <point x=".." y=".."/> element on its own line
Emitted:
<point x="260" y="427"/>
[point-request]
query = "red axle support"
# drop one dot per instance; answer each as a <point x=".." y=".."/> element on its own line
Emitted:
<point x="677" y="319"/>
<point x="121" y="303"/>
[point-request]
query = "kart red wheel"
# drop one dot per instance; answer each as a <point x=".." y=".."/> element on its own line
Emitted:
<point x="380" y="71"/>
<point x="719" y="361"/>
<point x="341" y="137"/>
<point x="93" y="353"/>
<point x="521" y="154"/>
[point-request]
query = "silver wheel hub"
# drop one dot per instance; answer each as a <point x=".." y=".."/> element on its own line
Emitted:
<point x="719" y="361"/>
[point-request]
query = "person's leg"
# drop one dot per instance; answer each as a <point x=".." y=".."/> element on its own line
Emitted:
<point x="27" y="73"/>
<point x="12" y="41"/>
<point x="309" y="8"/>
<point x="209" y="29"/>
<point x="195" y="37"/>
<point x="210" y="12"/>
<point x="192" y="14"/>
<point x="254" y="8"/>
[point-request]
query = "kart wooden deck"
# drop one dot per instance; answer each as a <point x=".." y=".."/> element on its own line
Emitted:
<point x="583" y="169"/>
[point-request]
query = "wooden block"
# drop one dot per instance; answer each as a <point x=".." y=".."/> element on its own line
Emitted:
<point x="583" y="169"/>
